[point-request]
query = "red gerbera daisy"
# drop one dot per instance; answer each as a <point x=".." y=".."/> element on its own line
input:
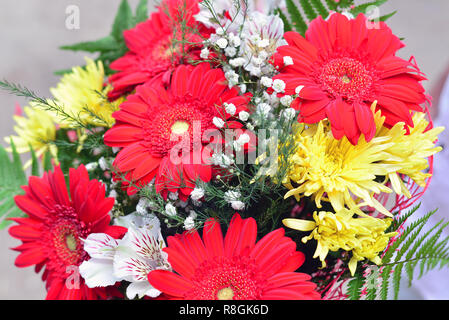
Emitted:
<point x="234" y="268"/>
<point x="164" y="132"/>
<point x="344" y="67"/>
<point x="56" y="223"/>
<point x="157" y="46"/>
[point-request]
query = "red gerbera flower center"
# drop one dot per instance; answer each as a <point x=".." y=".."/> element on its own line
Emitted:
<point x="62" y="238"/>
<point x="346" y="77"/>
<point x="222" y="278"/>
<point x="176" y="124"/>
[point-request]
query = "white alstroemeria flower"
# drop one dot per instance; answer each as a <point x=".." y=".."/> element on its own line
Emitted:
<point x="138" y="220"/>
<point x="130" y="259"/>
<point x="139" y="253"/>
<point x="262" y="34"/>
<point x="99" y="270"/>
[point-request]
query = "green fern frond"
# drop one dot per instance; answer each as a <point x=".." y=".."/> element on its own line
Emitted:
<point x="12" y="177"/>
<point x="425" y="251"/>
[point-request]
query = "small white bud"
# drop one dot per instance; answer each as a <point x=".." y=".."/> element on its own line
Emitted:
<point x="298" y="89"/>
<point x="286" y="100"/>
<point x="170" y="210"/>
<point x="266" y="82"/>
<point x="278" y="85"/>
<point x="288" y="61"/>
<point x="222" y="43"/>
<point x="218" y="122"/>
<point x="197" y="193"/>
<point x="243" y="115"/>
<point x="230" y="108"/>
<point x="204" y="53"/>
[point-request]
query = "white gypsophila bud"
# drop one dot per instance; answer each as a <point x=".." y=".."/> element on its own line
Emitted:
<point x="193" y="214"/>
<point x="243" y="139"/>
<point x="278" y="85"/>
<point x="234" y="40"/>
<point x="170" y="210"/>
<point x="197" y="193"/>
<point x="243" y="115"/>
<point x="289" y="113"/>
<point x="112" y="194"/>
<point x="91" y="166"/>
<point x="298" y="89"/>
<point x="115" y="150"/>
<point x="230" y="51"/>
<point x="222" y="43"/>
<point x="266" y="82"/>
<point x="288" y="61"/>
<point x="231" y="195"/>
<point x="250" y="126"/>
<point x="230" y="108"/>
<point x="256" y="61"/>
<point x="237" y="62"/>
<point x="219" y="31"/>
<point x="204" y="53"/>
<point x="104" y="164"/>
<point x="263" y="55"/>
<point x="189" y="223"/>
<point x="173" y="196"/>
<point x="286" y="100"/>
<point x="218" y="122"/>
<point x="242" y="88"/>
<point x="232" y="77"/>
<point x="255" y="71"/>
<point x="237" y="205"/>
<point x="264" y="109"/>
<point x="142" y="206"/>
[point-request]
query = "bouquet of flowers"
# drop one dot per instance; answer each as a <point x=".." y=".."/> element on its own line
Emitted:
<point x="227" y="149"/>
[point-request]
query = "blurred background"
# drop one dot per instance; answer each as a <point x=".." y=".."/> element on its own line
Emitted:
<point x="32" y="30"/>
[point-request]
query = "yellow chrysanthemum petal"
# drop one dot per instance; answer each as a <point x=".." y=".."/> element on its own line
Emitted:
<point x="83" y="95"/>
<point x="36" y="129"/>
<point x="365" y="237"/>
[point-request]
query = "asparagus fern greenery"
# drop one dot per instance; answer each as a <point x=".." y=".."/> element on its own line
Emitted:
<point x="412" y="253"/>
<point x="301" y="12"/>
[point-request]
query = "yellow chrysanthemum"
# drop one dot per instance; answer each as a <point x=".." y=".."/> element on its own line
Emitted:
<point x="347" y="175"/>
<point x="335" y="170"/>
<point x="365" y="237"/>
<point x="37" y="130"/>
<point x="83" y="95"/>
<point x="409" y="151"/>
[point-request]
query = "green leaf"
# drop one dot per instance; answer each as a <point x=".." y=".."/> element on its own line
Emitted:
<point x="104" y="44"/>
<point x="387" y="16"/>
<point x="124" y="20"/>
<point x="12" y="178"/>
<point x="34" y="163"/>
<point x="46" y="161"/>
<point x="142" y="11"/>
<point x="362" y="8"/>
